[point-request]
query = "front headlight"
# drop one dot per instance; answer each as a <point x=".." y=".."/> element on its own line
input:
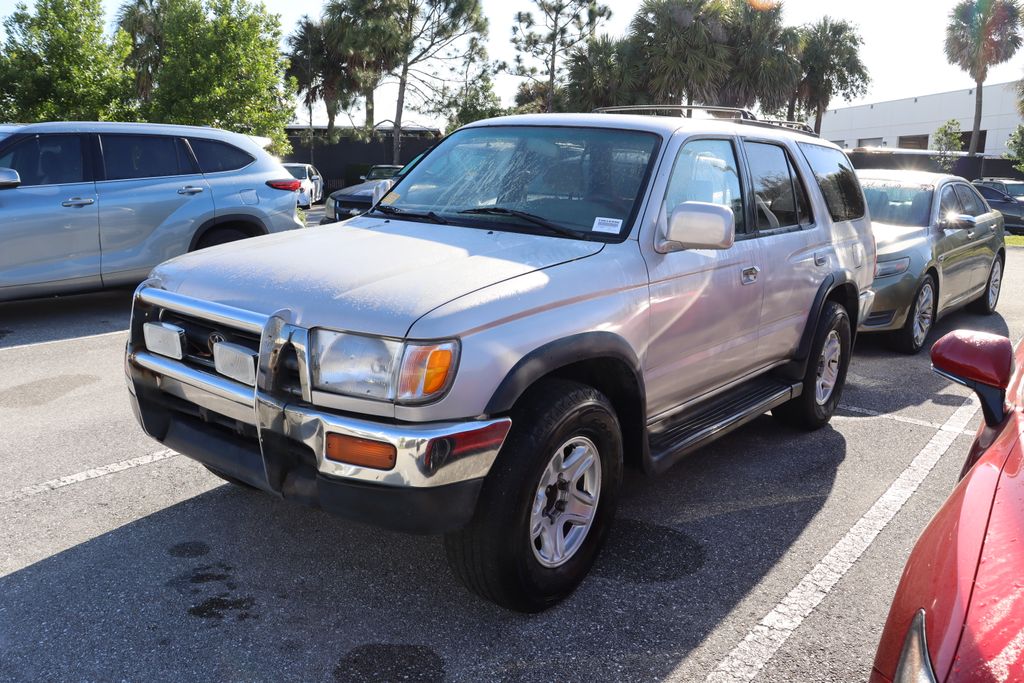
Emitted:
<point x="894" y="267"/>
<point x="382" y="369"/>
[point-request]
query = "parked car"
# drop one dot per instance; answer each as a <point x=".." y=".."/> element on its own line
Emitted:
<point x="1010" y="186"/>
<point x="356" y="200"/>
<point x="311" y="191"/>
<point x="940" y="247"/>
<point x="1011" y="208"/>
<point x="958" y="613"/>
<point x="90" y="205"/>
<point x="538" y="301"/>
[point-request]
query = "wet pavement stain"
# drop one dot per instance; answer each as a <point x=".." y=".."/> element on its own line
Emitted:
<point x="43" y="391"/>
<point x="189" y="549"/>
<point x="218" y="606"/>
<point x="640" y="552"/>
<point x="383" y="662"/>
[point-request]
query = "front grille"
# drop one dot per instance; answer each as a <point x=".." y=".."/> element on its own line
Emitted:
<point x="200" y="336"/>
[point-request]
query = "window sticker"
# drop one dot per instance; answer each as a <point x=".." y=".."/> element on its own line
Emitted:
<point x="391" y="198"/>
<point x="611" y="225"/>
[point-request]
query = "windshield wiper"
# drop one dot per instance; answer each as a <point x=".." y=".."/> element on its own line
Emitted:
<point x="427" y="215"/>
<point x="530" y="218"/>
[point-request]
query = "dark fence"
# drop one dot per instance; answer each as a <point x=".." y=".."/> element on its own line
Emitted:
<point x="971" y="168"/>
<point x="342" y="162"/>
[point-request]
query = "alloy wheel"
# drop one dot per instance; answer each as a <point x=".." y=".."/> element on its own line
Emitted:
<point x="565" y="503"/>
<point x="828" y="368"/>
<point x="924" y="311"/>
<point x="994" y="283"/>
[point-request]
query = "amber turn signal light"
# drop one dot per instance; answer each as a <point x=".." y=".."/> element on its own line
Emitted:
<point x="352" y="450"/>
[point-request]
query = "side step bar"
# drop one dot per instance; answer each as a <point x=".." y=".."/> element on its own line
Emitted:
<point x="678" y="436"/>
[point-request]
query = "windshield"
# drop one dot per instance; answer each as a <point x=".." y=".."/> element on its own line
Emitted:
<point x="898" y="203"/>
<point x="585" y="180"/>
<point x="297" y="171"/>
<point x="382" y="172"/>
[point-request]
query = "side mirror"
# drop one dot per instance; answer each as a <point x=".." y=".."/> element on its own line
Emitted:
<point x="700" y="225"/>
<point x="958" y="221"/>
<point x="9" y="178"/>
<point x="362" y="177"/>
<point x="315" y="178"/>
<point x="979" y="361"/>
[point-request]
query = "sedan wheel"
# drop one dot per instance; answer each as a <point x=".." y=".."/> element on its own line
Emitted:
<point x="923" y="313"/>
<point x="986" y="303"/>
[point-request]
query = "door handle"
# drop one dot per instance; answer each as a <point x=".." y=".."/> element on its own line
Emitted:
<point x="77" y="201"/>
<point x="970" y="234"/>
<point x="749" y="275"/>
<point x="820" y="259"/>
<point x="190" y="189"/>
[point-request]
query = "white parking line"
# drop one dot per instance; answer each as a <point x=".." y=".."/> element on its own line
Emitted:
<point x="60" y="341"/>
<point x="761" y="643"/>
<point x="900" y="418"/>
<point x="36" y="489"/>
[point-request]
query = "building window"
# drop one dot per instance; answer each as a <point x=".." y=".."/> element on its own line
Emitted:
<point x="870" y="142"/>
<point x="965" y="140"/>
<point x="913" y="142"/>
<point x="840" y="143"/>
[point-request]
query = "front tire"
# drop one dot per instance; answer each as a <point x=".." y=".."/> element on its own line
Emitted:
<point x="547" y="505"/>
<point x="986" y="303"/>
<point x="911" y="337"/>
<point x="826" y="373"/>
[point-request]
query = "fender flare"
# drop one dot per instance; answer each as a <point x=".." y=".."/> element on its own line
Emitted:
<point x="254" y="222"/>
<point x="832" y="282"/>
<point x="560" y="353"/>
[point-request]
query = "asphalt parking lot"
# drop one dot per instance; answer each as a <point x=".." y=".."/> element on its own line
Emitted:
<point x="770" y="556"/>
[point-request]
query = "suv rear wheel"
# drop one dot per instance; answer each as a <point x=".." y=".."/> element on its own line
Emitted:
<point x="217" y="236"/>
<point x="547" y="504"/>
<point x="826" y="372"/>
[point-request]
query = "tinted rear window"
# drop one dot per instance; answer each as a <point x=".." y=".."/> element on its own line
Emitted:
<point x="837" y="181"/>
<point x="215" y="156"/>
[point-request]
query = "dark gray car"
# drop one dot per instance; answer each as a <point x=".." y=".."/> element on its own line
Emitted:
<point x="1011" y="207"/>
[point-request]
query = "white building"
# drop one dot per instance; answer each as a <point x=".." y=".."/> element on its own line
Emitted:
<point x="910" y="123"/>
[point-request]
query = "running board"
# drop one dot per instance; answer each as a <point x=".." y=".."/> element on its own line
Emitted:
<point x="673" y="438"/>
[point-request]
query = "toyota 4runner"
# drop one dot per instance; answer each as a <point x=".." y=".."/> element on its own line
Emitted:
<point x="539" y="301"/>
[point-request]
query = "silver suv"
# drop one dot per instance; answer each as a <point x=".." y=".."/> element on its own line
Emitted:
<point x="539" y="301"/>
<point x="89" y="205"/>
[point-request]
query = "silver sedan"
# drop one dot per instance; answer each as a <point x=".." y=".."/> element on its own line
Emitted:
<point x="940" y="247"/>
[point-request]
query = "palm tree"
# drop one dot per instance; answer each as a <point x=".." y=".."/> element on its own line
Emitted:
<point x="831" y="65"/>
<point x="143" y="21"/>
<point x="307" y="54"/>
<point x="684" y="45"/>
<point x="981" y="34"/>
<point x="765" y="64"/>
<point x="603" y="73"/>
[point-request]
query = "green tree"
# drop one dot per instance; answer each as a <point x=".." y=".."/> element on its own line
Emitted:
<point x="946" y="140"/>
<point x="58" y="64"/>
<point x="472" y="100"/>
<point x="764" y="63"/>
<point x="222" y="67"/>
<point x="432" y="32"/>
<point x="683" y="44"/>
<point x="605" y="72"/>
<point x="831" y="65"/>
<point x="318" y="63"/>
<point x="981" y="34"/>
<point x="1015" y="148"/>
<point x="550" y="35"/>
<point x="143" y="23"/>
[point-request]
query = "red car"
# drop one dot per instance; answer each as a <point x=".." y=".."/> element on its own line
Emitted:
<point x="958" y="614"/>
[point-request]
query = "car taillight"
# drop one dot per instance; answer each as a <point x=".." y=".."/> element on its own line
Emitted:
<point x="289" y="185"/>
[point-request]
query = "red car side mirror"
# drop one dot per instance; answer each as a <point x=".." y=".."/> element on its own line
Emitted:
<point x="980" y="361"/>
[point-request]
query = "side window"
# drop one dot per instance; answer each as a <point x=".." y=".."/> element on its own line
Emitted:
<point x="706" y="171"/>
<point x="143" y="156"/>
<point x="948" y="203"/>
<point x="780" y="196"/>
<point x="46" y="160"/>
<point x="837" y="180"/>
<point x="215" y="156"/>
<point x="973" y="205"/>
<point x="989" y="192"/>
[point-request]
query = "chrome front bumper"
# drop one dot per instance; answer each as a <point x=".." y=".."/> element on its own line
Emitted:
<point x="269" y="422"/>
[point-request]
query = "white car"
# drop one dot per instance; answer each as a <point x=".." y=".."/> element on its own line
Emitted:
<point x="312" y="188"/>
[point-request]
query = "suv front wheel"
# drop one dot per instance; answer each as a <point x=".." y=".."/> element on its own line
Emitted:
<point x="548" y="502"/>
<point x="825" y="375"/>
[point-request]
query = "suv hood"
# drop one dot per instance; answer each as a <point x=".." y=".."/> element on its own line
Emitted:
<point x="366" y="275"/>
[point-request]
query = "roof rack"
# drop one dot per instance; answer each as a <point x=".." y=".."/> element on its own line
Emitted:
<point x="744" y="116"/>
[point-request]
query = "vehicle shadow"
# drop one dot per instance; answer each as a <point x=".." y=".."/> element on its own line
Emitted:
<point x="234" y="585"/>
<point x="884" y="380"/>
<point x="47" y="319"/>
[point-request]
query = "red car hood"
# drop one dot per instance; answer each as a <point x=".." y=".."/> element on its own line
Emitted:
<point x="992" y="644"/>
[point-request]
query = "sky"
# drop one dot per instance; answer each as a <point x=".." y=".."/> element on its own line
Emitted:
<point x="903" y="44"/>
